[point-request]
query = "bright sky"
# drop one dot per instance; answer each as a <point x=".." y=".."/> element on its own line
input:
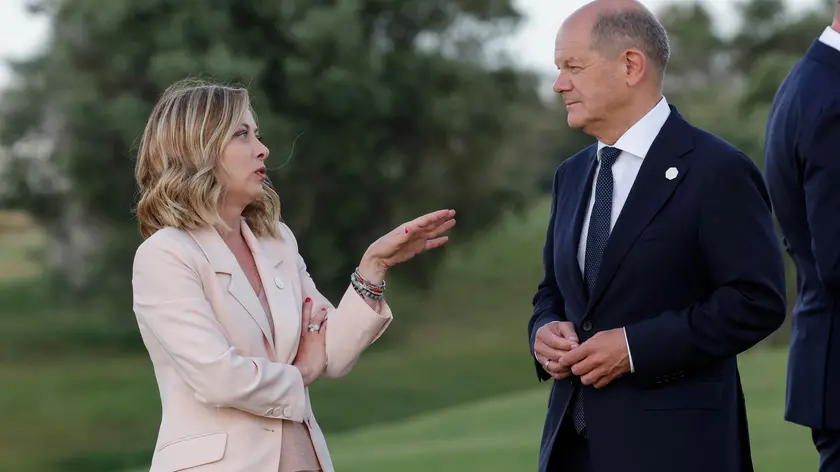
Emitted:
<point x="22" y="34"/>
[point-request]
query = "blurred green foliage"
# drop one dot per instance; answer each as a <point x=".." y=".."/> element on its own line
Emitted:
<point x="376" y="111"/>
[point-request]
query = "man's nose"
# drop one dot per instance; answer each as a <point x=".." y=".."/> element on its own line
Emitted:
<point x="562" y="83"/>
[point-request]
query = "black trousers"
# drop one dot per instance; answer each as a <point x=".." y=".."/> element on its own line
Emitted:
<point x="570" y="452"/>
<point x="827" y="442"/>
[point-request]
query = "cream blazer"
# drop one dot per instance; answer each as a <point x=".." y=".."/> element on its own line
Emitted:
<point x="224" y="382"/>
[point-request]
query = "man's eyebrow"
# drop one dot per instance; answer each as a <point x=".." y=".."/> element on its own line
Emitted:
<point x="561" y="61"/>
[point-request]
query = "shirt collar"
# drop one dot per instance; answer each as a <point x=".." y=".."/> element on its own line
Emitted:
<point x="831" y="38"/>
<point x="638" y="139"/>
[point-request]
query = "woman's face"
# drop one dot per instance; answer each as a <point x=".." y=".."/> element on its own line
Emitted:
<point x="243" y="164"/>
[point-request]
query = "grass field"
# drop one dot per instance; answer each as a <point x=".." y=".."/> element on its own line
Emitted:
<point x="502" y="434"/>
<point x="439" y="399"/>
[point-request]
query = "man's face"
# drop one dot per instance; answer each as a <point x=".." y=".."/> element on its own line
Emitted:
<point x="592" y="85"/>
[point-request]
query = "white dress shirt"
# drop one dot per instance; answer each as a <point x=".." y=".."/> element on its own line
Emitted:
<point x="634" y="145"/>
<point x="830" y="37"/>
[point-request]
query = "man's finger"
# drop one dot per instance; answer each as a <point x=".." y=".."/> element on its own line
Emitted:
<point x="604" y="381"/>
<point x="562" y="375"/>
<point x="592" y="377"/>
<point x="555" y="369"/>
<point x="567" y="331"/>
<point x="551" y="367"/>
<point x="584" y="367"/>
<point x="576" y="355"/>
<point x="546" y="352"/>
<point x="556" y="342"/>
<point x="555" y="366"/>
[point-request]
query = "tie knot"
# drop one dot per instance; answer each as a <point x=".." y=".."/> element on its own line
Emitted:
<point x="609" y="155"/>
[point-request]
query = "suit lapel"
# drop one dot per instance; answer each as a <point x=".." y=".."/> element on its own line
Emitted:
<point x="224" y="262"/>
<point x="649" y="193"/>
<point x="279" y="291"/>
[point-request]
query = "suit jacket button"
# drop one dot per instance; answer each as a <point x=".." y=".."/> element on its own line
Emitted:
<point x="287" y="412"/>
<point x="587" y="326"/>
<point x="279" y="282"/>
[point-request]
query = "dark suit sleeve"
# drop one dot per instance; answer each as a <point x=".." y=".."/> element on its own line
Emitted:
<point x="548" y="302"/>
<point x="821" y="175"/>
<point x="746" y="280"/>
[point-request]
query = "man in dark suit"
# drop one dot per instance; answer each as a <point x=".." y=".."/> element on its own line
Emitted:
<point x="802" y="159"/>
<point x="661" y="266"/>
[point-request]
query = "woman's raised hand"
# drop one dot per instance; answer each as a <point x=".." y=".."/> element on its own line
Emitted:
<point x="406" y="241"/>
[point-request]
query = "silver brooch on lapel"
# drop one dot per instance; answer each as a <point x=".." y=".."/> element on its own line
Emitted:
<point x="671" y="173"/>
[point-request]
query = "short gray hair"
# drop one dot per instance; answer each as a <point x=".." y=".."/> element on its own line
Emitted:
<point x="638" y="28"/>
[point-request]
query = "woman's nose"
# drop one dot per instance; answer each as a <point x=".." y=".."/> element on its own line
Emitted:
<point x="262" y="152"/>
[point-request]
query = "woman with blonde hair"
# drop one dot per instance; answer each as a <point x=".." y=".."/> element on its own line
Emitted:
<point x="235" y="328"/>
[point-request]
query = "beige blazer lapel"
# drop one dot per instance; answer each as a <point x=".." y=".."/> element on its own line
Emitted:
<point x="224" y="262"/>
<point x="281" y="290"/>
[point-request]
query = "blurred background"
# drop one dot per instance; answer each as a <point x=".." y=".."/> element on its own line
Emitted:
<point x="375" y="111"/>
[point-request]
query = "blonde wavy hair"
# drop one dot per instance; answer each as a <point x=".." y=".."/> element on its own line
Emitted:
<point x="180" y="153"/>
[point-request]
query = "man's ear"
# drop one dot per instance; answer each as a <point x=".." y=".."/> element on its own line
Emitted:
<point x="635" y="66"/>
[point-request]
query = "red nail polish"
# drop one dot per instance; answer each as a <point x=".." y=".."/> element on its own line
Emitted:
<point x="307" y="300"/>
<point x="406" y="231"/>
<point x="323" y="309"/>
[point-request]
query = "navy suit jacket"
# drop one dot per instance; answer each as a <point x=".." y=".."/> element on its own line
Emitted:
<point x="694" y="271"/>
<point x="802" y="160"/>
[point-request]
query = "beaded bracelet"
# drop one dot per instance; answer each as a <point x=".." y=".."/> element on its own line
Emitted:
<point x="366" y="288"/>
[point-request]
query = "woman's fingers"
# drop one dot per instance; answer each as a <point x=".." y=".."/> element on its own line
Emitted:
<point x="324" y="324"/>
<point x="305" y="315"/>
<point x="316" y="322"/>
<point x="446" y="226"/>
<point x="429" y="230"/>
<point x="434" y="243"/>
<point x="421" y="222"/>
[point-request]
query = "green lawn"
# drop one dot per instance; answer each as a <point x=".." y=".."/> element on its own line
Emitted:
<point x="499" y="434"/>
<point x="71" y="407"/>
<point x="102" y="416"/>
<point x="502" y="434"/>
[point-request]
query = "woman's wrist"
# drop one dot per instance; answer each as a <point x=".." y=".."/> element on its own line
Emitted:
<point x="372" y="270"/>
<point x="306" y="373"/>
<point x="368" y="280"/>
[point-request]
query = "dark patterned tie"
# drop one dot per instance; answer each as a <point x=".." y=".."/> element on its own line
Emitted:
<point x="599" y="221"/>
<point x="596" y="241"/>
